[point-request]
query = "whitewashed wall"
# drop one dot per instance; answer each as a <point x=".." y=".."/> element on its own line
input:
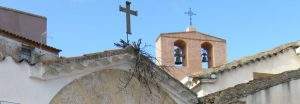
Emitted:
<point x="286" y="93"/>
<point x="283" y="62"/>
<point x="17" y="87"/>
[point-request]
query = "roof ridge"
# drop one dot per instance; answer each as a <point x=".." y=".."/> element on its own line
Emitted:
<point x="102" y="54"/>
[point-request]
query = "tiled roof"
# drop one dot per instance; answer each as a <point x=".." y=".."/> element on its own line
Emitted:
<point x="242" y="90"/>
<point x="250" y="59"/>
<point x="90" y="56"/>
<point x="19" y="37"/>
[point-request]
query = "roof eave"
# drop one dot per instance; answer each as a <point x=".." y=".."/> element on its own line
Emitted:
<point x="20" y="38"/>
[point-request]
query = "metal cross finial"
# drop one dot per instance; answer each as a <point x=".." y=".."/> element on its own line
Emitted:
<point x="190" y="13"/>
<point x="128" y="13"/>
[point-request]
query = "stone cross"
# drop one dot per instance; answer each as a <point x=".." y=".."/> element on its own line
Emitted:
<point x="190" y="13"/>
<point x="128" y="13"/>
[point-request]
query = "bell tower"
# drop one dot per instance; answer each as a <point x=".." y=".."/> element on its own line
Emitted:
<point x="189" y="52"/>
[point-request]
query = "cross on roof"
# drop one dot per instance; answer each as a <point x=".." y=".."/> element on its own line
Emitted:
<point x="128" y="13"/>
<point x="190" y="13"/>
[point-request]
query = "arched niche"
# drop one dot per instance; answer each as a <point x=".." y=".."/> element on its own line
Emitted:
<point x="180" y="53"/>
<point x="104" y="87"/>
<point x="206" y="55"/>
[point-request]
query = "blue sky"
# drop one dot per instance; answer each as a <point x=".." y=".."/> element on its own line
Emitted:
<point x="83" y="26"/>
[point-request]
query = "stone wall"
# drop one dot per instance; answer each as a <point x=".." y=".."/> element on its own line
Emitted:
<point x="105" y="87"/>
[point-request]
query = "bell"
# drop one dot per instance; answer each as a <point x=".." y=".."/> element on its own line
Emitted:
<point x="178" y="61"/>
<point x="178" y="56"/>
<point x="204" y="59"/>
<point x="204" y="56"/>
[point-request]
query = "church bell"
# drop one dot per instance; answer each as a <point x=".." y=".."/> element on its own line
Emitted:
<point x="178" y="56"/>
<point x="204" y="59"/>
<point x="204" y="56"/>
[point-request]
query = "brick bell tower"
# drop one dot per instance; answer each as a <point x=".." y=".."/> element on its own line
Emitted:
<point x="190" y="52"/>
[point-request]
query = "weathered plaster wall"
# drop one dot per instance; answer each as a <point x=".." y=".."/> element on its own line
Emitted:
<point x="104" y="88"/>
<point x="286" y="93"/>
<point x="38" y="84"/>
<point x="16" y="85"/>
<point x="10" y="47"/>
<point x="21" y="84"/>
<point x="283" y="62"/>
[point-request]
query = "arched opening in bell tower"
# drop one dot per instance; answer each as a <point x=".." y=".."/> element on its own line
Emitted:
<point x="179" y="53"/>
<point x="206" y="55"/>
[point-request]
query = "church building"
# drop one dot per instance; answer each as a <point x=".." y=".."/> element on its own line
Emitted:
<point x="191" y="68"/>
<point x="31" y="72"/>
<point x="198" y="60"/>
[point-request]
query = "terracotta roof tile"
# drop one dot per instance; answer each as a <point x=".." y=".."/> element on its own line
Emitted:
<point x="244" y="89"/>
<point x="19" y="37"/>
<point x="90" y="56"/>
<point x="250" y="59"/>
